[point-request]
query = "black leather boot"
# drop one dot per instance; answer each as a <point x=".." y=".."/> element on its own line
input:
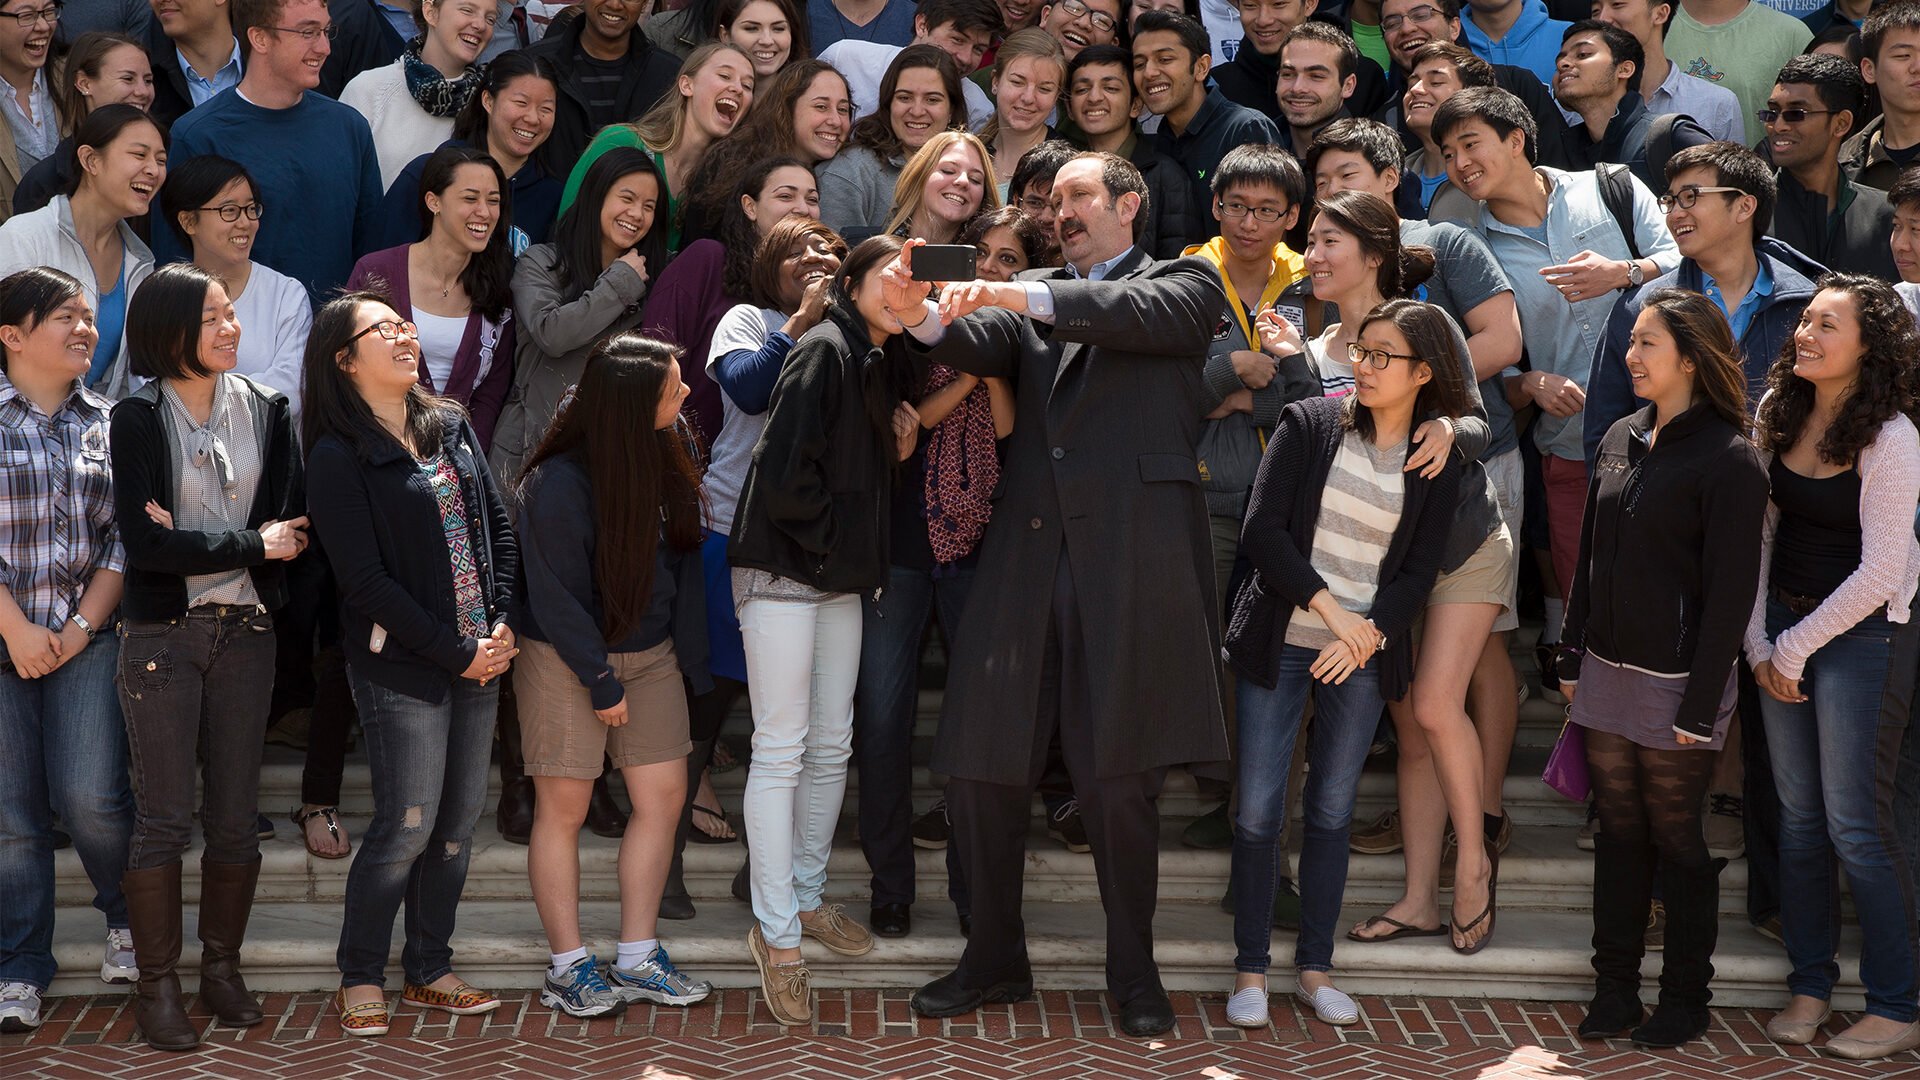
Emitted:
<point x="514" y="814"/>
<point x="1622" y="893"/>
<point x="1692" y="896"/>
<point x="226" y="901"/>
<point x="153" y="914"/>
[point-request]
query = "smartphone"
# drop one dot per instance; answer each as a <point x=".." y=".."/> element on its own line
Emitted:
<point x="945" y="262"/>
<point x="378" y="639"/>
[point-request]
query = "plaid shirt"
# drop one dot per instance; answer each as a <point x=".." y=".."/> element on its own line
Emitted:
<point x="56" y="502"/>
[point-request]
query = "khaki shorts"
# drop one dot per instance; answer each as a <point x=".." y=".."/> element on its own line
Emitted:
<point x="1508" y="477"/>
<point x="1485" y="578"/>
<point x="561" y="736"/>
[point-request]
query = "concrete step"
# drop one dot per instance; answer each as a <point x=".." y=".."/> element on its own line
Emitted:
<point x="1535" y="954"/>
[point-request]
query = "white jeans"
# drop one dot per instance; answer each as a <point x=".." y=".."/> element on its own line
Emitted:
<point x="802" y="662"/>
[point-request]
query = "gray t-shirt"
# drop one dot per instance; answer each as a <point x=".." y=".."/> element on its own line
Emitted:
<point x="1467" y="275"/>
<point x="742" y="327"/>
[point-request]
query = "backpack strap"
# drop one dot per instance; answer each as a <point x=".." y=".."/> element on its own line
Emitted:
<point x="1616" y="191"/>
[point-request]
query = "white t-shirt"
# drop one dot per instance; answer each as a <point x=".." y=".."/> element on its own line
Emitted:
<point x="275" y="315"/>
<point x="440" y="337"/>
<point x="742" y="327"/>
<point x="865" y="63"/>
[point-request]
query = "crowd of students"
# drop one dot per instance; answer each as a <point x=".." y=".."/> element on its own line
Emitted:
<point x="560" y="373"/>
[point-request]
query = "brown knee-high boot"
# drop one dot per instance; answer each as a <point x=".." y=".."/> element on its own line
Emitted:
<point x="153" y="912"/>
<point x="226" y="900"/>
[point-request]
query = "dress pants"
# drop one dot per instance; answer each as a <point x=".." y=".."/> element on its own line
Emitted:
<point x="990" y="823"/>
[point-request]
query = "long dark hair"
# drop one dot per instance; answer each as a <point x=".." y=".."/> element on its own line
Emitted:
<point x="576" y="236"/>
<point x="886" y="384"/>
<point x="470" y="126"/>
<point x="766" y="129"/>
<point x="1886" y="384"/>
<point x="642" y="478"/>
<point x="98" y="131"/>
<point x="728" y="11"/>
<point x="739" y="236"/>
<point x="1702" y="336"/>
<point x="1372" y="221"/>
<point x="875" y="130"/>
<point x="28" y="297"/>
<point x="1429" y="333"/>
<point x="488" y="275"/>
<point x="164" y="319"/>
<point x="329" y="404"/>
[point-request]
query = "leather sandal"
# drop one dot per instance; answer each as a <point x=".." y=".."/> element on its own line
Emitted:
<point x="329" y="816"/>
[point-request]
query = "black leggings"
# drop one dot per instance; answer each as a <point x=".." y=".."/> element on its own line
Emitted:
<point x="1648" y="796"/>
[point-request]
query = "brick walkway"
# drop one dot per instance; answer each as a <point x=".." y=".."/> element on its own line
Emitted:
<point x="871" y="1033"/>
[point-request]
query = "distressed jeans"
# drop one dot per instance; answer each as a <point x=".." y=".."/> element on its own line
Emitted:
<point x="429" y="763"/>
<point x="64" y="750"/>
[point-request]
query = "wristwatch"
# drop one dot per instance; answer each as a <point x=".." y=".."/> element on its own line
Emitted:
<point x="1634" y="274"/>
<point x="80" y="621"/>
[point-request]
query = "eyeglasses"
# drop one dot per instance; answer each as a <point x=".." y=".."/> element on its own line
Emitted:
<point x="27" y="20"/>
<point x="388" y="329"/>
<point x="307" y="33"/>
<point x="1687" y="196"/>
<point x="1033" y="205"/>
<point x="1239" y="210"/>
<point x="1377" y="358"/>
<point x="1791" y="116"/>
<point x="1419" y="16"/>
<point x="1101" y="21"/>
<point x="232" y="211"/>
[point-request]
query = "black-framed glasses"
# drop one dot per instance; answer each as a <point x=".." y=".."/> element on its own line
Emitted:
<point x="307" y="33"/>
<point x="1033" y="205"/>
<point x="1419" y="16"/>
<point x="1687" y="196"/>
<point x="1101" y="21"/>
<point x="231" y="212"/>
<point x="1239" y="210"/>
<point x="1378" y="359"/>
<point x="27" y="20"/>
<point x="1791" y="116"/>
<point x="388" y="329"/>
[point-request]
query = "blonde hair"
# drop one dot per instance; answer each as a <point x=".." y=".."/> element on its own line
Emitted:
<point x="1031" y="43"/>
<point x="662" y="126"/>
<point x="912" y="185"/>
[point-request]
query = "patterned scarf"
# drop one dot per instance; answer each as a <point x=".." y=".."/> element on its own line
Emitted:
<point x="963" y="467"/>
<point x="436" y="93"/>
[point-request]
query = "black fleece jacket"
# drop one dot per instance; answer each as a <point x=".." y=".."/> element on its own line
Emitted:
<point x="1277" y="541"/>
<point x="159" y="560"/>
<point x="1669" y="556"/>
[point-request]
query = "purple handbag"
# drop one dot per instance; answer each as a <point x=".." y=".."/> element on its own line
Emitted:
<point x="1566" y="770"/>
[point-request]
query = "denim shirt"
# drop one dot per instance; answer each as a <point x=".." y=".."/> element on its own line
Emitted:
<point x="1562" y="335"/>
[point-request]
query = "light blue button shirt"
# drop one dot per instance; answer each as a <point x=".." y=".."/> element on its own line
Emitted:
<point x="201" y="90"/>
<point x="1741" y="317"/>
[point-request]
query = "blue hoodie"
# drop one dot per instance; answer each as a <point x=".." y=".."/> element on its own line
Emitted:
<point x="1533" y="42"/>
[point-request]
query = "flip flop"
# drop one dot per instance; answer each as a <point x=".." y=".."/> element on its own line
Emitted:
<point x="1490" y="916"/>
<point x="701" y="836"/>
<point x="1400" y="930"/>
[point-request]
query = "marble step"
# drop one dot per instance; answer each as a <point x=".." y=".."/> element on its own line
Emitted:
<point x="1535" y="954"/>
<point x="1542" y="871"/>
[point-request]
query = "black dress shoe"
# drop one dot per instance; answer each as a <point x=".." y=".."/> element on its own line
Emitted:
<point x="891" y="920"/>
<point x="949" y="996"/>
<point x="604" y="816"/>
<point x="1149" y="1014"/>
<point x="514" y="815"/>
<point x="742" y="887"/>
<point x="676" y="908"/>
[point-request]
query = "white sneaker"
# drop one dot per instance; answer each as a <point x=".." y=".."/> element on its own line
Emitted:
<point x="1247" y="1008"/>
<point x="19" y="1007"/>
<point x="119" y="967"/>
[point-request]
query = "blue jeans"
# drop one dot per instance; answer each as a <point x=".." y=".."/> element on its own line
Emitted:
<point x="1834" y="758"/>
<point x="65" y="752"/>
<point x="429" y="765"/>
<point x="883" y="715"/>
<point x="1345" y="717"/>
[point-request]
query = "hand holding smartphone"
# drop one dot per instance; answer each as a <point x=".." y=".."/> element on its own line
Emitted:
<point x="945" y="262"/>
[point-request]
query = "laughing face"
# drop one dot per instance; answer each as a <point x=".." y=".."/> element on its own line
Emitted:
<point x="124" y="77"/>
<point x="1827" y="346"/>
<point x="1408" y="24"/>
<point x="1311" y="90"/>
<point x="1808" y="141"/>
<point x="761" y="30"/>
<point x="1716" y="221"/>
<point x="1025" y="93"/>
<point x="217" y="242"/>
<point x="719" y="94"/>
<point x="1166" y="74"/>
<point x="611" y="22"/>
<point x="1101" y="99"/>
<point x="822" y="116"/>
<point x="955" y="186"/>
<point x="1654" y="362"/>
<point x="284" y="55"/>
<point x="628" y="212"/>
<point x="788" y="190"/>
<point x="1428" y="87"/>
<point x="61" y="343"/>
<point x="468" y="210"/>
<point x="219" y="331"/>
<point x="1586" y="72"/>
<point x="126" y="173"/>
<point x="920" y="107"/>
<point x="1076" y="24"/>
<point x="1478" y="161"/>
<point x="1266" y="22"/>
<point x="27" y="39"/>
<point x="520" y="117"/>
<point x="460" y="28"/>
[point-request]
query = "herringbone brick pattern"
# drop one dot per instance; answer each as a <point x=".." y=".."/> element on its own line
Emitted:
<point x="860" y="1034"/>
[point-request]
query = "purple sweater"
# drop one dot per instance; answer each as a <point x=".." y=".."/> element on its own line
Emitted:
<point x="488" y="343"/>
<point x="684" y="306"/>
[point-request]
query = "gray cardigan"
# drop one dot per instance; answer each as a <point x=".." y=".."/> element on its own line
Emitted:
<point x="556" y="329"/>
<point x="856" y="189"/>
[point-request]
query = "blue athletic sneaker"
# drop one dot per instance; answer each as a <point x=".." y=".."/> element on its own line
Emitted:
<point x="582" y="991"/>
<point x="658" y="981"/>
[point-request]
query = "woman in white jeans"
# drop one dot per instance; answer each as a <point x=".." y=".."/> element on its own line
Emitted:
<point x="810" y="535"/>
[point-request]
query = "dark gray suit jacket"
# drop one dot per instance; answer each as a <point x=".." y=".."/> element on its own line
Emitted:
<point x="1102" y="460"/>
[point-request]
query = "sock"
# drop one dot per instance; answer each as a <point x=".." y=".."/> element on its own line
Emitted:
<point x="1556" y="613"/>
<point x="558" y="963"/>
<point x="1490" y="823"/>
<point x="635" y="953"/>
